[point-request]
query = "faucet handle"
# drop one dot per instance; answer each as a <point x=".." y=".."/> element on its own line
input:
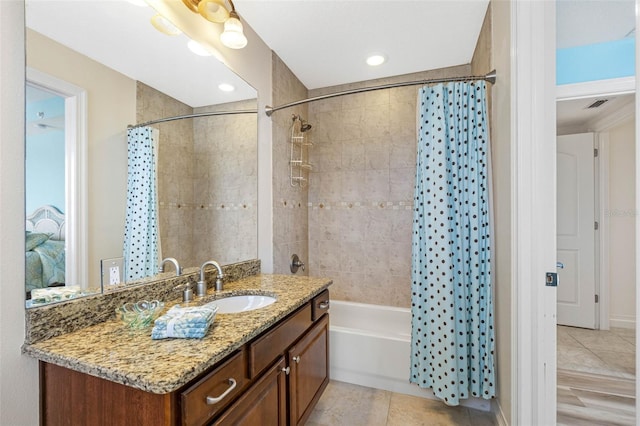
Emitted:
<point x="201" y="288"/>
<point x="187" y="293"/>
<point x="295" y="264"/>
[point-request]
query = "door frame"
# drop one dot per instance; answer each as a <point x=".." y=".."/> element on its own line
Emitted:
<point x="591" y="89"/>
<point x="76" y="210"/>
<point x="533" y="126"/>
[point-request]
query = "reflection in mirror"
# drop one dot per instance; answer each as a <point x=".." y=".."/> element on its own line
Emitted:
<point x="207" y="185"/>
<point x="45" y="189"/>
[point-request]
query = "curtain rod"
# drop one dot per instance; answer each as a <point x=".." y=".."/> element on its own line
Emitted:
<point x="201" y="114"/>
<point x="490" y="77"/>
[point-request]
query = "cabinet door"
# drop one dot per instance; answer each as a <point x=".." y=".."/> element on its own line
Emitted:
<point x="309" y="362"/>
<point x="264" y="404"/>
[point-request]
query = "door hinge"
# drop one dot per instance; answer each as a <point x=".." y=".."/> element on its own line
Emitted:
<point x="597" y="298"/>
<point x="596" y="225"/>
<point x="595" y="152"/>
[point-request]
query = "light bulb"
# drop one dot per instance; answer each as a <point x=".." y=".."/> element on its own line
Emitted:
<point x="163" y="25"/>
<point x="232" y="37"/>
<point x="213" y="10"/>
<point x="376" y="59"/>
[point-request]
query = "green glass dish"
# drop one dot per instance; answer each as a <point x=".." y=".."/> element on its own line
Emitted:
<point x="141" y="314"/>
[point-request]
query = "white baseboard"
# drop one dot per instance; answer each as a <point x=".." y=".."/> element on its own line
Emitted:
<point x="399" y="386"/>
<point x="623" y="321"/>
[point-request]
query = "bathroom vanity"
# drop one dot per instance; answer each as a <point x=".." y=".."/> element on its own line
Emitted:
<point x="263" y="367"/>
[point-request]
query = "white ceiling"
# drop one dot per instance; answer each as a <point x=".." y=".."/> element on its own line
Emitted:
<point x="326" y="42"/>
<point x="574" y="116"/>
<point x="583" y="22"/>
<point x="119" y="35"/>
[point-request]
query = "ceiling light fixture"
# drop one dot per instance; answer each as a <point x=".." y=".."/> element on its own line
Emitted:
<point x="139" y="3"/>
<point x="226" y="87"/>
<point x="376" y="59"/>
<point x="215" y="11"/>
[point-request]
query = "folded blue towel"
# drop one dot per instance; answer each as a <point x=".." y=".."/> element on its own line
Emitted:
<point x="180" y="334"/>
<point x="187" y="323"/>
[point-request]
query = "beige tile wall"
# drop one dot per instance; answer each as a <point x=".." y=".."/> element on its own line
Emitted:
<point x="207" y="180"/>
<point x="225" y="184"/>
<point x="361" y="189"/>
<point x="175" y="173"/>
<point x="290" y="211"/>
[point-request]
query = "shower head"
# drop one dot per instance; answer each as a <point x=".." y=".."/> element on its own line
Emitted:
<point x="305" y="127"/>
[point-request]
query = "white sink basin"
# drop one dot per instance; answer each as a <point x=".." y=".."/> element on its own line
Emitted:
<point x="249" y="302"/>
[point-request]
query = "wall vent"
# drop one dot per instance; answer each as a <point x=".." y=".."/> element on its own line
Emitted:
<point x="598" y="103"/>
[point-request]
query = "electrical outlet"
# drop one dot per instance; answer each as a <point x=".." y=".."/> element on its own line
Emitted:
<point x="114" y="275"/>
<point x="111" y="271"/>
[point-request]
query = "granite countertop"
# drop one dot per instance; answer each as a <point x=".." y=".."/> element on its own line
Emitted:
<point x="114" y="352"/>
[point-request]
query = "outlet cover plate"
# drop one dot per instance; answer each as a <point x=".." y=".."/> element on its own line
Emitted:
<point x="112" y="271"/>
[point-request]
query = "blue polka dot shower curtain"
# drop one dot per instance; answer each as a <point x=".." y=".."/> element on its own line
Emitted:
<point x="141" y="238"/>
<point x="452" y="339"/>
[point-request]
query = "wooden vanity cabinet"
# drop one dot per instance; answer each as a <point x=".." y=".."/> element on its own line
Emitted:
<point x="309" y="371"/>
<point x="265" y="403"/>
<point x="276" y="379"/>
<point x="300" y="349"/>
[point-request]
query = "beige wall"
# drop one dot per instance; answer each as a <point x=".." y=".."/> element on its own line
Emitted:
<point x="111" y="107"/>
<point x="290" y="211"/>
<point x="499" y="25"/>
<point x="622" y="217"/>
<point x="361" y="189"/>
<point x="18" y="374"/>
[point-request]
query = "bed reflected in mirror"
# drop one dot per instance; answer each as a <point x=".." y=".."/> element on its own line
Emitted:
<point x="44" y="191"/>
<point x="54" y="262"/>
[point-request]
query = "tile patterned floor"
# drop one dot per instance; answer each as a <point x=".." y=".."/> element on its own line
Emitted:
<point x="596" y="377"/>
<point x="345" y="404"/>
<point x="605" y="352"/>
<point x="596" y="386"/>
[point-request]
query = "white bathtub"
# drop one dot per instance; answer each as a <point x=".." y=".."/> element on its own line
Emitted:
<point x="370" y="346"/>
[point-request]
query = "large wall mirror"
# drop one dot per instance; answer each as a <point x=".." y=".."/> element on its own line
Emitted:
<point x="93" y="68"/>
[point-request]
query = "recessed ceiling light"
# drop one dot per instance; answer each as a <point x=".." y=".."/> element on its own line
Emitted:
<point x="376" y="59"/>
<point x="197" y="48"/>
<point x="225" y="87"/>
<point x="140" y="3"/>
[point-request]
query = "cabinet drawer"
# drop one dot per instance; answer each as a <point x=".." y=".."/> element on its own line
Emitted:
<point x="265" y="350"/>
<point x="263" y="404"/>
<point x="220" y="386"/>
<point x="320" y="305"/>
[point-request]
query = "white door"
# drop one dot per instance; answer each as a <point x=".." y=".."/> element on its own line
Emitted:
<point x="576" y="230"/>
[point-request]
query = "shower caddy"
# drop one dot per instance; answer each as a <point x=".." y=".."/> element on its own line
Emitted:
<point x="299" y="166"/>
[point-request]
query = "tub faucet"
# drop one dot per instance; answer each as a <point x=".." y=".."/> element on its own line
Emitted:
<point x="175" y="264"/>
<point x="201" y="288"/>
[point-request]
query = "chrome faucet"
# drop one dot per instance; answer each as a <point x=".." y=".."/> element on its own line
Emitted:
<point x="201" y="288"/>
<point x="175" y="264"/>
